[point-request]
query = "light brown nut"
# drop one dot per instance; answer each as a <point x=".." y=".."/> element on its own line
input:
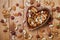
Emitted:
<point x="46" y="3"/>
<point x="4" y="24"/>
<point x="21" y="6"/>
<point x="52" y="4"/>
<point x="19" y="36"/>
<point x="14" y="8"/>
<point x="4" y="11"/>
<point x="6" y="15"/>
<point x="15" y="14"/>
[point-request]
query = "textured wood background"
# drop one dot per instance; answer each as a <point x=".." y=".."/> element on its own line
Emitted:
<point x="10" y="3"/>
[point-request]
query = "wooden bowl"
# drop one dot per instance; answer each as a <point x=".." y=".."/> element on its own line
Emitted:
<point x="37" y="12"/>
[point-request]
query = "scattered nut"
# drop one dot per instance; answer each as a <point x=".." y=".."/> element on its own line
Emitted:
<point x="17" y="4"/>
<point x="13" y="32"/>
<point x="21" y="6"/>
<point x="19" y="13"/>
<point x="4" y="11"/>
<point x="28" y="4"/>
<point x="52" y="4"/>
<point x="15" y="14"/>
<point x="58" y="17"/>
<point x="30" y="37"/>
<point x="37" y="36"/>
<point x="51" y="26"/>
<point x="58" y="9"/>
<point x="26" y="36"/>
<point x="6" y="15"/>
<point x="13" y="8"/>
<point x="53" y="9"/>
<point x="24" y="32"/>
<point x="19" y="36"/>
<point x="2" y="21"/>
<point x="44" y="39"/>
<point x="50" y="36"/>
<point x="20" y="30"/>
<point x="12" y="17"/>
<point x="32" y="1"/>
<point x="19" y="24"/>
<point x="13" y="37"/>
<point x="58" y="26"/>
<point x="4" y="30"/>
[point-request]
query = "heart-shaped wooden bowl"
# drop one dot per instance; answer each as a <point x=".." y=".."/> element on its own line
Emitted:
<point x="36" y="18"/>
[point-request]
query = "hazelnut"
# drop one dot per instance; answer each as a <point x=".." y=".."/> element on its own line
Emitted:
<point x="32" y="1"/>
<point x="19" y="13"/>
<point x="37" y="36"/>
<point x="20" y="30"/>
<point x="58" y="9"/>
<point x="53" y="9"/>
<point x="4" y="30"/>
<point x="49" y="34"/>
<point x="13" y="32"/>
<point x="17" y="4"/>
<point x="58" y="26"/>
<point x="2" y="21"/>
<point x="12" y="17"/>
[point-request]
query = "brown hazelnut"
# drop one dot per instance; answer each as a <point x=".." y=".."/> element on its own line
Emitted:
<point x="32" y="1"/>
<point x="58" y="9"/>
<point x="37" y="36"/>
<point x="2" y="21"/>
<point x="53" y="9"/>
<point x="49" y="34"/>
<point x="58" y="26"/>
<point x="12" y="17"/>
<point x="13" y="32"/>
<point x="19" y="13"/>
<point x="20" y="30"/>
<point x="17" y="4"/>
<point x="4" y="30"/>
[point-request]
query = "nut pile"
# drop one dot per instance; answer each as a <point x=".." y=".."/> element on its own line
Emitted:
<point x="36" y="17"/>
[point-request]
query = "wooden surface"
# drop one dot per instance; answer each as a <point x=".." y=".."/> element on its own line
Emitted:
<point x="7" y="36"/>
